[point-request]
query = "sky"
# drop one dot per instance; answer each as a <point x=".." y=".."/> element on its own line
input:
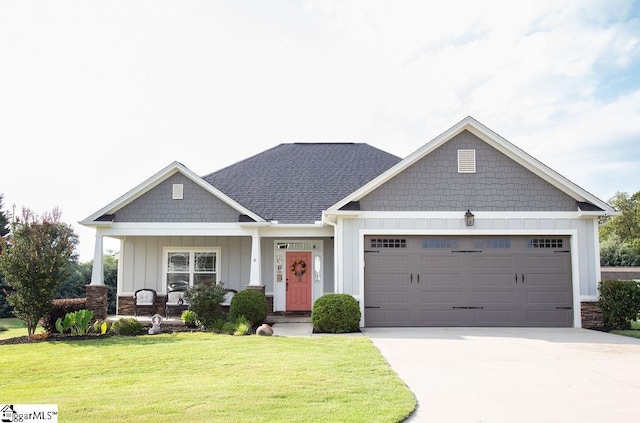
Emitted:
<point x="98" y="96"/>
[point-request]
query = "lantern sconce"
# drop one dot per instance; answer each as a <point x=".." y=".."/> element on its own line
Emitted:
<point x="469" y="218"/>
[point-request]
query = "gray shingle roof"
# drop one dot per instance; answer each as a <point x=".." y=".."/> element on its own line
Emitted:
<point x="293" y="183"/>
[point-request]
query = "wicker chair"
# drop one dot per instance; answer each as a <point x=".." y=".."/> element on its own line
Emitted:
<point x="144" y="297"/>
<point x="175" y="301"/>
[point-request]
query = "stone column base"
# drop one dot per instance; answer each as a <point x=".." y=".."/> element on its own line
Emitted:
<point x="260" y="288"/>
<point x="97" y="300"/>
<point x="591" y="315"/>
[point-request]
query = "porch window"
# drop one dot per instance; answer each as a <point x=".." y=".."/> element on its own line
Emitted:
<point x="189" y="267"/>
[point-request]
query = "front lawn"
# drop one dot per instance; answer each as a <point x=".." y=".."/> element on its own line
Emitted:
<point x="208" y="378"/>
<point x="15" y="327"/>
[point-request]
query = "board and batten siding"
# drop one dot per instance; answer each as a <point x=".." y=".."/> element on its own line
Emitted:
<point x="352" y="230"/>
<point x="142" y="259"/>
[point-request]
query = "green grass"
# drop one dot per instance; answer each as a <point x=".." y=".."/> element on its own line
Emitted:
<point x="634" y="332"/>
<point x="204" y="377"/>
<point x="15" y="327"/>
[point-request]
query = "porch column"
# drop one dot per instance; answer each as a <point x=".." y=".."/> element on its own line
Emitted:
<point x="97" y="273"/>
<point x="254" y="276"/>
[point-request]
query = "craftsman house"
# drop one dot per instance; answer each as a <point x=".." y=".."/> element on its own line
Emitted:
<point x="469" y="230"/>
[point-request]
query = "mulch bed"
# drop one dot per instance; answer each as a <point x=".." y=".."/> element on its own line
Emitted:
<point x="66" y="337"/>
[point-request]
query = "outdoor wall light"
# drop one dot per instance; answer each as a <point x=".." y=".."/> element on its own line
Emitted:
<point x="469" y="218"/>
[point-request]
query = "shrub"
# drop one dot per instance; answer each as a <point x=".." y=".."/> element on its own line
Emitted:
<point x="620" y="302"/>
<point x="204" y="300"/>
<point x="127" y="326"/>
<point x="59" y="309"/>
<point x="336" y="313"/>
<point x="250" y="304"/>
<point x="3" y="328"/>
<point x="190" y="318"/>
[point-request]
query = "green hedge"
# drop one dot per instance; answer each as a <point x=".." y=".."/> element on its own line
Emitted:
<point x="336" y="313"/>
<point x="620" y="302"/>
<point x="250" y="304"/>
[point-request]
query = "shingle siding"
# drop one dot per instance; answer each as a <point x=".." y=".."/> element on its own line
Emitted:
<point x="157" y="205"/>
<point x="499" y="184"/>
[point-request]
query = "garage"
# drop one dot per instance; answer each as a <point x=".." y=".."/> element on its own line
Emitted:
<point x="468" y="281"/>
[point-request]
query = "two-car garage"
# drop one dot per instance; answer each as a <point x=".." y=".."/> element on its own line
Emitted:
<point x="468" y="281"/>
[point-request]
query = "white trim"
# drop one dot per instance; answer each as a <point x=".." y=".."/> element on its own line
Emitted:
<point x="494" y="140"/>
<point x="572" y="233"/>
<point x="154" y="181"/>
<point x="459" y="214"/>
<point x="596" y="259"/>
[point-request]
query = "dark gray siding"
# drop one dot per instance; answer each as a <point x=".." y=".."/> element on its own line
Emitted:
<point x="157" y="205"/>
<point x="499" y="184"/>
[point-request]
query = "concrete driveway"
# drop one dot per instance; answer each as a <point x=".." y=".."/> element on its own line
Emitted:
<point x="515" y="374"/>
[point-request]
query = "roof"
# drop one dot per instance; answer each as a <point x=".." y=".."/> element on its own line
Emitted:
<point x="499" y="143"/>
<point x="295" y="182"/>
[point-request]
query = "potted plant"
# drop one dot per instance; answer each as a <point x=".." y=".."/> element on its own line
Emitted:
<point x="190" y="318"/>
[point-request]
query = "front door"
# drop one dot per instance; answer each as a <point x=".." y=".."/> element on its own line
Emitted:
<point x="299" y="271"/>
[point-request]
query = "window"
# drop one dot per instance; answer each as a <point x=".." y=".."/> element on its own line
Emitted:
<point x="388" y="243"/>
<point x="545" y="243"/>
<point x="503" y="243"/>
<point x="439" y="243"/>
<point x="188" y="267"/>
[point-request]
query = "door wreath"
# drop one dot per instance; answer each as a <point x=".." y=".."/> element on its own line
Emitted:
<point x="298" y="268"/>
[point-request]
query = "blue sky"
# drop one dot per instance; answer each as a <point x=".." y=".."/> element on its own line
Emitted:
<point x="95" y="97"/>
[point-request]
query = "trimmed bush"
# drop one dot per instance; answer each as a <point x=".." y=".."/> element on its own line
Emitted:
<point x="336" y="313"/>
<point x="250" y="304"/>
<point x="126" y="326"/>
<point x="620" y="302"/>
<point x="59" y="309"/>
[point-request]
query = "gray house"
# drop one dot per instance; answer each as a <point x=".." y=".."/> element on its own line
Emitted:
<point x="469" y="230"/>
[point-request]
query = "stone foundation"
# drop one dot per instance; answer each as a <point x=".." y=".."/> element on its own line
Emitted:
<point x="591" y="315"/>
<point x="97" y="300"/>
<point x="125" y="306"/>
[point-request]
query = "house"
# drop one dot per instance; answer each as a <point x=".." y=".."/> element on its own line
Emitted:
<point x="469" y="230"/>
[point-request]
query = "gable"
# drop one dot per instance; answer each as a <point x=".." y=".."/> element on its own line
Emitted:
<point x="158" y="205"/>
<point x="499" y="183"/>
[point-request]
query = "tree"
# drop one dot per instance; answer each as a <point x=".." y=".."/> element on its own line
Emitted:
<point x="620" y="235"/>
<point x="34" y="259"/>
<point x="5" y="308"/>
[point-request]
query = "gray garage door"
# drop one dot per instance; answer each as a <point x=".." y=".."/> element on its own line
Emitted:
<point x="468" y="281"/>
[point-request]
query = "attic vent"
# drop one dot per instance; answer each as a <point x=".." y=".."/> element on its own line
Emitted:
<point x="466" y="161"/>
<point x="178" y="191"/>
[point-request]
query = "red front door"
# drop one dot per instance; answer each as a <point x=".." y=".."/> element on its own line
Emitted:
<point x="299" y="271"/>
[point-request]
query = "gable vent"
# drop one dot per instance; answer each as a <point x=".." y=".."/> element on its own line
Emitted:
<point x="178" y="191"/>
<point x="466" y="161"/>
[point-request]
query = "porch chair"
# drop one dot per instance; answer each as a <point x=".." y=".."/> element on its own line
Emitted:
<point x="144" y="297"/>
<point x="229" y="293"/>
<point x="177" y="301"/>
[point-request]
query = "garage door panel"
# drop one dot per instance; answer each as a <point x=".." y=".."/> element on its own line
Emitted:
<point x="450" y="297"/>
<point x="441" y="317"/>
<point x="548" y="297"/>
<point x="546" y="279"/>
<point x="546" y="262"/>
<point x="389" y="296"/>
<point x="386" y="262"/>
<point x="505" y="280"/>
<point x="494" y="297"/>
<point x="440" y="280"/>
<point x="492" y="262"/>
<point x="387" y="317"/>
<point x="549" y="318"/>
<point x="440" y="261"/>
